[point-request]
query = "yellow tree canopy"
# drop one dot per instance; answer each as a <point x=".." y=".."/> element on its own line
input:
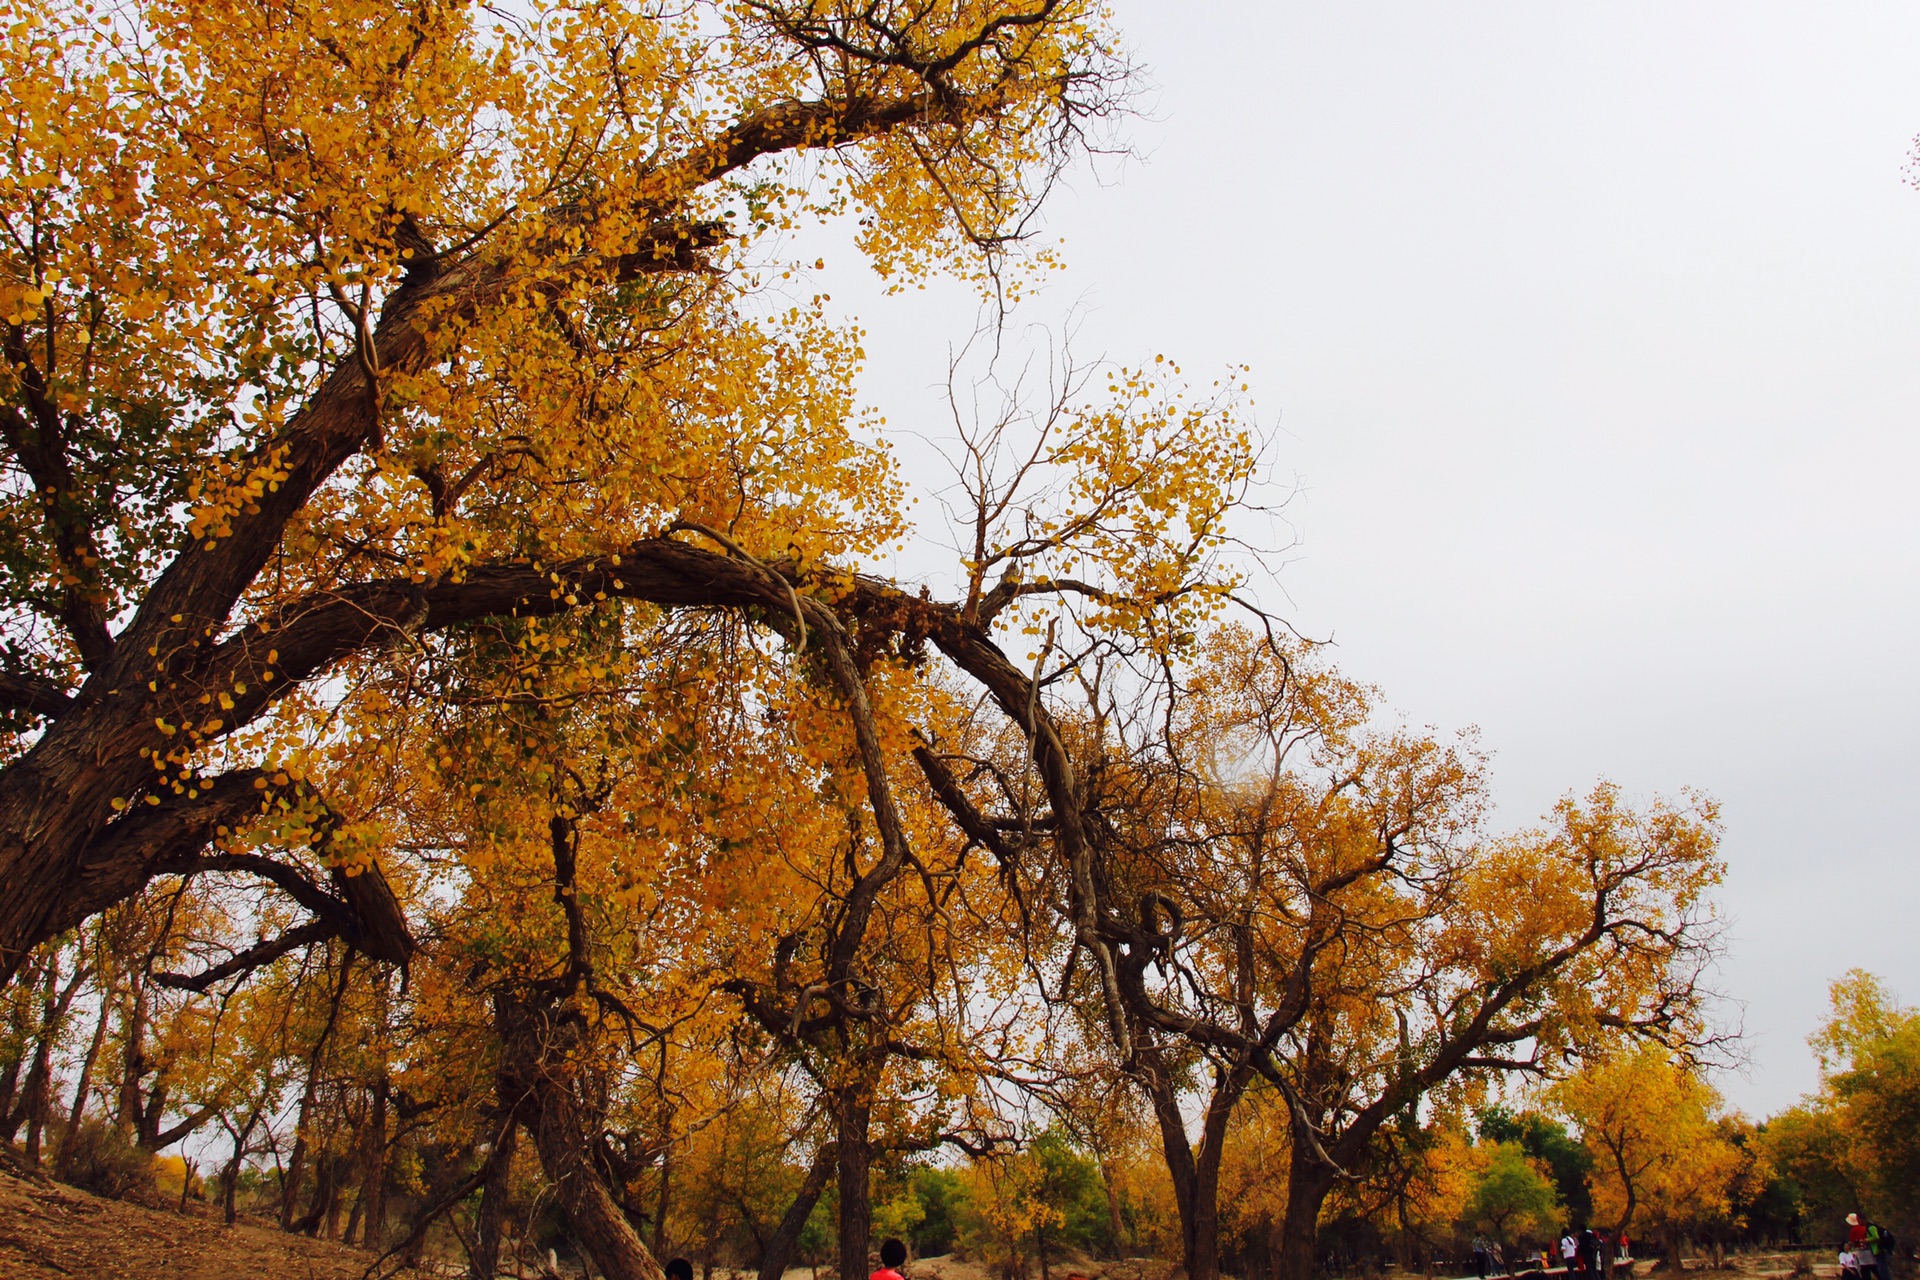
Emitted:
<point x="1661" y="1161"/>
<point x="331" y="325"/>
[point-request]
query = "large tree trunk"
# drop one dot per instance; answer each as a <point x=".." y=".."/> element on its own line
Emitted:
<point x="494" y="1196"/>
<point x="1175" y="1151"/>
<point x="1195" y="1174"/>
<point x="778" y="1255"/>
<point x="591" y="1210"/>
<point x="542" y="1044"/>
<point x="1300" y="1234"/>
<point x="1676" y="1265"/>
<point x="853" y="1113"/>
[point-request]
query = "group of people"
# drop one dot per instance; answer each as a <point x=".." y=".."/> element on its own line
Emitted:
<point x="1582" y="1251"/>
<point x="893" y="1256"/>
<point x="1867" y="1253"/>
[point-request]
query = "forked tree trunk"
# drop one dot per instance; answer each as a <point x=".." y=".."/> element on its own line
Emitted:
<point x="37" y="1101"/>
<point x="230" y="1176"/>
<point x="1195" y="1173"/>
<point x="84" y="1086"/>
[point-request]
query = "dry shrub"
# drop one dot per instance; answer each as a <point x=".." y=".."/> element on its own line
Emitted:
<point x="105" y="1161"/>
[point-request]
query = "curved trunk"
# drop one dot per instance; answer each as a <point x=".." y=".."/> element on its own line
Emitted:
<point x="591" y="1210"/>
<point x="778" y="1254"/>
<point x="541" y="1048"/>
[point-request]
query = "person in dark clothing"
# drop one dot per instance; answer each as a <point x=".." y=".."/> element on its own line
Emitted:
<point x="1589" y="1252"/>
<point x="679" y="1269"/>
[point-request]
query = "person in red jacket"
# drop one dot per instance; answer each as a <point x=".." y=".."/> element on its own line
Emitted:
<point x="893" y="1256"/>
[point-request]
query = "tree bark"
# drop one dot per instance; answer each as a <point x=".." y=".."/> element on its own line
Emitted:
<point x="853" y="1114"/>
<point x="494" y="1196"/>
<point x="591" y="1210"/>
<point x="1300" y="1234"/>
<point x="1195" y="1173"/>
<point x="373" y="1171"/>
<point x="778" y="1254"/>
<point x="1175" y="1153"/>
<point x="543" y="1042"/>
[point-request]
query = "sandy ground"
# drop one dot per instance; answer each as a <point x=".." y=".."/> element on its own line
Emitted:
<point x="51" y="1232"/>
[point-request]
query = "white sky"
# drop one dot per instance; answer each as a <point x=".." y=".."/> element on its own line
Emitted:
<point x="1591" y="333"/>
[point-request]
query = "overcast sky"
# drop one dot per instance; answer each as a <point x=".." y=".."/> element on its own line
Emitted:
<point x="1591" y="334"/>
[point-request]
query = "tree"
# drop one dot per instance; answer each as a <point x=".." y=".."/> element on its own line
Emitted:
<point x="329" y="329"/>
<point x="1545" y="1139"/>
<point x="1032" y="1204"/>
<point x="1260" y="884"/>
<point x="1511" y="1197"/>
<point x="1850" y="1146"/>
<point x="1659" y="1155"/>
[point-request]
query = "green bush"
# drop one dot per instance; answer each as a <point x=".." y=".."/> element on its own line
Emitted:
<point x="942" y="1195"/>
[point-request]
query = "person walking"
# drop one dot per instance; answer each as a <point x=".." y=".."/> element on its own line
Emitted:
<point x="1482" y="1257"/>
<point x="1880" y="1244"/>
<point x="1569" y="1251"/>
